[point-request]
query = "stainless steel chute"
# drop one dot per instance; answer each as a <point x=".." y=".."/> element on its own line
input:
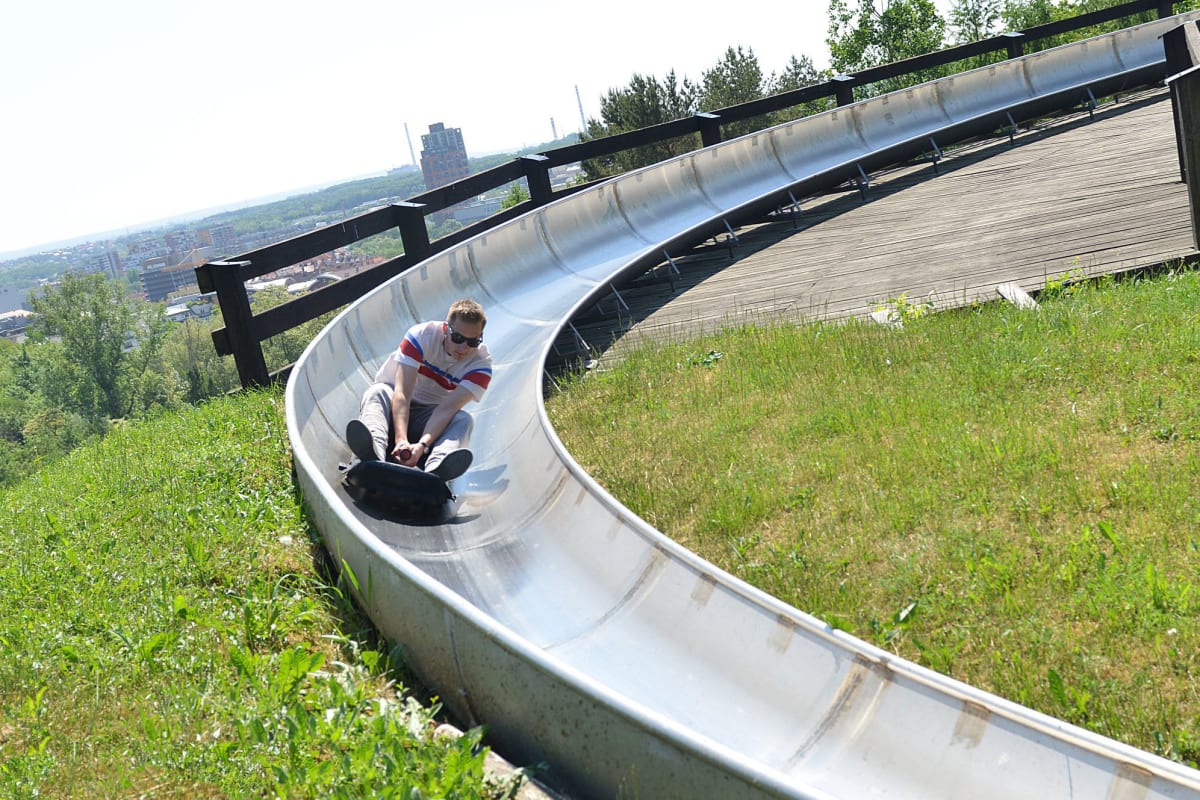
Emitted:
<point x="586" y="639"/>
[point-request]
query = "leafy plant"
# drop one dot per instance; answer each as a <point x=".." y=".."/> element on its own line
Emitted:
<point x="708" y="359"/>
<point x="899" y="310"/>
<point x="1064" y="284"/>
<point x="1071" y="701"/>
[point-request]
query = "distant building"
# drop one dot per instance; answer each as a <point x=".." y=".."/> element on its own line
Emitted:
<point x="564" y="175"/>
<point x="178" y="312"/>
<point x="194" y="258"/>
<point x="221" y="238"/>
<point x="443" y="156"/>
<point x="180" y="244"/>
<point x="14" y="322"/>
<point x="108" y="263"/>
<point x="12" y="299"/>
<point x="144" y="252"/>
<point x="323" y="279"/>
<point x="466" y="213"/>
<point x="160" y="282"/>
<point x="184" y="307"/>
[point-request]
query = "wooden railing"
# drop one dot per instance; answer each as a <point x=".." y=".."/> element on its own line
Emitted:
<point x="1183" y="63"/>
<point x="245" y="331"/>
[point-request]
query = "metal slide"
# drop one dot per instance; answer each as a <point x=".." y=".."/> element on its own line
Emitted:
<point x="584" y="638"/>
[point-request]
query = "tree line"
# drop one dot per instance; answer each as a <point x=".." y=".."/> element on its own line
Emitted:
<point x="862" y="34"/>
<point x="96" y="355"/>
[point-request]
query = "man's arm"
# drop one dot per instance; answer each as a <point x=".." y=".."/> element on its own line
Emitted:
<point x="445" y="412"/>
<point x="406" y="381"/>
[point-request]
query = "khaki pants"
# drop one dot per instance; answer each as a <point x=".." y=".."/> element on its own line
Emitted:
<point x="375" y="410"/>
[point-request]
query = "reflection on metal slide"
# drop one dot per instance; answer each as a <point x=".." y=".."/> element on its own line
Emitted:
<point x="587" y="640"/>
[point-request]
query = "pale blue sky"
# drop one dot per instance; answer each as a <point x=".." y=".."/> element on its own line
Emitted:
<point x="128" y="111"/>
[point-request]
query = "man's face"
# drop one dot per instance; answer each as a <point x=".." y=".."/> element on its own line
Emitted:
<point x="469" y="332"/>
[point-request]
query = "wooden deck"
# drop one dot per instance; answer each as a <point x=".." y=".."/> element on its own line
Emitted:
<point x="1083" y="194"/>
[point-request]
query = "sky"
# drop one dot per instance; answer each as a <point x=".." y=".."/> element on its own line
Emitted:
<point x="126" y="112"/>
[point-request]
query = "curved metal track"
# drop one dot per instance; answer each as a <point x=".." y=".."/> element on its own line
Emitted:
<point x="586" y="639"/>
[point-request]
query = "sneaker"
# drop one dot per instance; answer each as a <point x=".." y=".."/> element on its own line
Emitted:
<point x="453" y="465"/>
<point x="361" y="442"/>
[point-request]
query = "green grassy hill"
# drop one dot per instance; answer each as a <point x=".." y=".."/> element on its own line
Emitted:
<point x="170" y="630"/>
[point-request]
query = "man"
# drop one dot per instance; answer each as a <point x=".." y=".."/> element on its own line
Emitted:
<point x="413" y="413"/>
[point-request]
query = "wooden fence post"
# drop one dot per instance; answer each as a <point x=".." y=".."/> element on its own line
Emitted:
<point x="844" y="89"/>
<point x="710" y="128"/>
<point x="1185" y="91"/>
<point x="410" y="219"/>
<point x="228" y="280"/>
<point x="1181" y="46"/>
<point x="537" y="178"/>
<point x="1016" y="43"/>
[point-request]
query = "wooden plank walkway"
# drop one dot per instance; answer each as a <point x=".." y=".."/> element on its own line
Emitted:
<point x="1079" y="194"/>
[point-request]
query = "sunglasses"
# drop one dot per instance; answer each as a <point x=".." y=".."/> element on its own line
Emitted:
<point x="458" y="338"/>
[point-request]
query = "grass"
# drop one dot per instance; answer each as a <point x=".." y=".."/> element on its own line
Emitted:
<point x="170" y="632"/>
<point x="1010" y="498"/>
<point x="1007" y="497"/>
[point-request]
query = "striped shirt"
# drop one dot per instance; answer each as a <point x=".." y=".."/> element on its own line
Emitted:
<point x="438" y="373"/>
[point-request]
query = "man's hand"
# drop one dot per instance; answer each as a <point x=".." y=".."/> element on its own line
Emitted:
<point x="406" y="454"/>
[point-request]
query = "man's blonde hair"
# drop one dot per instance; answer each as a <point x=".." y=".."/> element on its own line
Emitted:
<point x="468" y="311"/>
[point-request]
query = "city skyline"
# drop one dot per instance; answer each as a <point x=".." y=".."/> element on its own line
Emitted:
<point x="137" y="112"/>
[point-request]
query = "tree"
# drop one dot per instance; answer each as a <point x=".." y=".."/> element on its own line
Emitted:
<point x="1023" y="14"/>
<point x="736" y="78"/>
<point x="445" y="228"/>
<point x="799" y="73"/>
<point x="16" y="389"/>
<point x="1073" y="8"/>
<point x="972" y="20"/>
<point x="643" y="103"/>
<point x="21" y="383"/>
<point x="1018" y="15"/>
<point x="109" y="339"/>
<point x="188" y="353"/>
<point x="861" y="37"/>
<point x="52" y="432"/>
<point x="382" y="245"/>
<point x="285" y="347"/>
<point x="517" y="194"/>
